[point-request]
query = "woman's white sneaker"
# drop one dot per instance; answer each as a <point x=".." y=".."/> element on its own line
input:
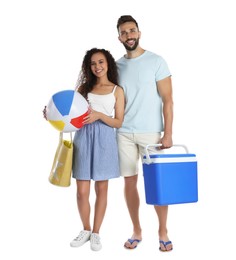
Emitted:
<point x="95" y="242"/>
<point x="82" y="238"/>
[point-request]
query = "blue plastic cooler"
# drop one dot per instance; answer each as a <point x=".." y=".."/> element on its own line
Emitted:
<point x="170" y="178"/>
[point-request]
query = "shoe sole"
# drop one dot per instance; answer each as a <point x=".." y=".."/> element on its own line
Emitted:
<point x="79" y="245"/>
<point x="93" y="249"/>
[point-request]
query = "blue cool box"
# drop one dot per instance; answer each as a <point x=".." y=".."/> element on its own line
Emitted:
<point x="170" y="179"/>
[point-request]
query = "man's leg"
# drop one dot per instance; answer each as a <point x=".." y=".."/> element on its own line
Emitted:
<point x="132" y="201"/>
<point x="129" y="157"/>
<point x="162" y="213"/>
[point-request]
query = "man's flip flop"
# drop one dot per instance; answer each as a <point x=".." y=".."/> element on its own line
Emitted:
<point x="131" y="242"/>
<point x="165" y="244"/>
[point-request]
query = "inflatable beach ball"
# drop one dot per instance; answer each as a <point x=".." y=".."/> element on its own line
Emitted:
<point x="66" y="110"/>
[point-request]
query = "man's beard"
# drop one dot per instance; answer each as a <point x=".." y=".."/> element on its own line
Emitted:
<point x="129" y="48"/>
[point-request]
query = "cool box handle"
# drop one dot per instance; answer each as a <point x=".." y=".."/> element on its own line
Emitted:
<point x="158" y="145"/>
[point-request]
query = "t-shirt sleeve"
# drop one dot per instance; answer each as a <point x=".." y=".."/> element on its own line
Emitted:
<point x="162" y="69"/>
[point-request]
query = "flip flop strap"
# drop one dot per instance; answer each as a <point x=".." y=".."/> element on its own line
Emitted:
<point x="165" y="243"/>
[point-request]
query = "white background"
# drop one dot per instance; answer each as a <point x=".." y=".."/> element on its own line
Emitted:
<point x="42" y="46"/>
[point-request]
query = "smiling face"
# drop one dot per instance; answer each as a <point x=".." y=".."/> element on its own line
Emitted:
<point x="129" y="35"/>
<point x="99" y="65"/>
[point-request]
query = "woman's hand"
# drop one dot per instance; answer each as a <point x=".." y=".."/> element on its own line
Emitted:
<point x="45" y="112"/>
<point x="92" y="117"/>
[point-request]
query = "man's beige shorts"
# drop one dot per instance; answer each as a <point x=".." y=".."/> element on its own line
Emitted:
<point x="132" y="148"/>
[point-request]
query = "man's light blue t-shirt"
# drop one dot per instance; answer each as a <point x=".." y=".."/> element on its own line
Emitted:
<point x="138" y="77"/>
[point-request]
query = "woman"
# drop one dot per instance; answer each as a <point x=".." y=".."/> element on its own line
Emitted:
<point x="95" y="147"/>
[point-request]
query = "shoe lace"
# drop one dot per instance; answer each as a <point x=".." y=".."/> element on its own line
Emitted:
<point x="95" y="239"/>
<point x="80" y="236"/>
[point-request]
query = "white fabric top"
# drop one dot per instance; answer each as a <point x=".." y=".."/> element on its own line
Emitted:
<point x="103" y="103"/>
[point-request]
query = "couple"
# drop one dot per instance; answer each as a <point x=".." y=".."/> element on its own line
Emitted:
<point x="134" y="105"/>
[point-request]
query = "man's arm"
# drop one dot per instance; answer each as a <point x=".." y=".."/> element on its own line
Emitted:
<point x="164" y="87"/>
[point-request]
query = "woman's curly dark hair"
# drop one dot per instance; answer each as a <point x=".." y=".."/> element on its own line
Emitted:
<point x="87" y="79"/>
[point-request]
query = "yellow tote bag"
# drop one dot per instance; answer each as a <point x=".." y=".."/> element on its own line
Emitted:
<point x="60" y="174"/>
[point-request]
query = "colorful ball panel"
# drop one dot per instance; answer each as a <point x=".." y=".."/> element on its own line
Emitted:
<point x="66" y="110"/>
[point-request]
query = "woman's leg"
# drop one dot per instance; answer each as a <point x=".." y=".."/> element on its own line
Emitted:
<point x="83" y="191"/>
<point x="101" y="188"/>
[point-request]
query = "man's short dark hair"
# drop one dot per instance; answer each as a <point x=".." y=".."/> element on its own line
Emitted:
<point x="125" y="19"/>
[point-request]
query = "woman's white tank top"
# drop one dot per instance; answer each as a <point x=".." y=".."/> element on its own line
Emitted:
<point x="103" y="103"/>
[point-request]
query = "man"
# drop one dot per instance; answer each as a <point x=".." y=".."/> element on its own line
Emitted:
<point x="146" y="80"/>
